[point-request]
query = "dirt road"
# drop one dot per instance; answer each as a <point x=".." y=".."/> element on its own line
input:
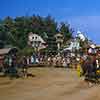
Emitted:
<point x="48" y="84"/>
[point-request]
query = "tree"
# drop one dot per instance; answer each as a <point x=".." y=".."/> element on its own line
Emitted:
<point x="3" y="35"/>
<point x="14" y="31"/>
<point x="66" y="31"/>
<point x="1" y="44"/>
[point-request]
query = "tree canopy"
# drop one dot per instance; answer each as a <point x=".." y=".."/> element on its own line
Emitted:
<point x="14" y="31"/>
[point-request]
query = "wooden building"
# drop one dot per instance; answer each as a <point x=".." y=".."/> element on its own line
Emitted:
<point x="7" y="51"/>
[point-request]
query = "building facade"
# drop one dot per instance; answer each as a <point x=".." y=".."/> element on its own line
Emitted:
<point x="36" y="41"/>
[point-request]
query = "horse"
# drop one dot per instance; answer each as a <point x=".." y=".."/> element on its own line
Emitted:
<point x="89" y="70"/>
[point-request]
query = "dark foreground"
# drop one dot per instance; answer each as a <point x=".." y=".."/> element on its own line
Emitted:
<point x="48" y="84"/>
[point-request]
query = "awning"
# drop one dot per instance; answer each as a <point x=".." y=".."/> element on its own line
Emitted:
<point x="8" y="50"/>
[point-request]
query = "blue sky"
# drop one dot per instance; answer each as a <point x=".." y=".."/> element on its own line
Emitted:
<point x="83" y="15"/>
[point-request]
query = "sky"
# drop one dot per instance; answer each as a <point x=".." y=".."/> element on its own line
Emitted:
<point x="83" y="15"/>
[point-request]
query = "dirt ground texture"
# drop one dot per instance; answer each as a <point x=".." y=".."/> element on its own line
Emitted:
<point x="48" y="84"/>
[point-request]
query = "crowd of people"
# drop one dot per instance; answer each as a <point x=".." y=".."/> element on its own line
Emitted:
<point x="85" y="64"/>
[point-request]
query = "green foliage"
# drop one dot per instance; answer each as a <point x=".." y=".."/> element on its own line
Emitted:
<point x="14" y="31"/>
<point x="26" y="51"/>
<point x="1" y="44"/>
<point x="66" y="31"/>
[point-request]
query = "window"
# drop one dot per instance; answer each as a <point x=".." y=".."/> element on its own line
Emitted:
<point x="33" y="37"/>
<point x="36" y="37"/>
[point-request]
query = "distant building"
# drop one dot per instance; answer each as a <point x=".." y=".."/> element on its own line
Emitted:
<point x="81" y="36"/>
<point x="75" y="42"/>
<point x="36" y="41"/>
<point x="98" y="47"/>
<point x="74" y="45"/>
<point x="7" y="51"/>
<point x="59" y="40"/>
